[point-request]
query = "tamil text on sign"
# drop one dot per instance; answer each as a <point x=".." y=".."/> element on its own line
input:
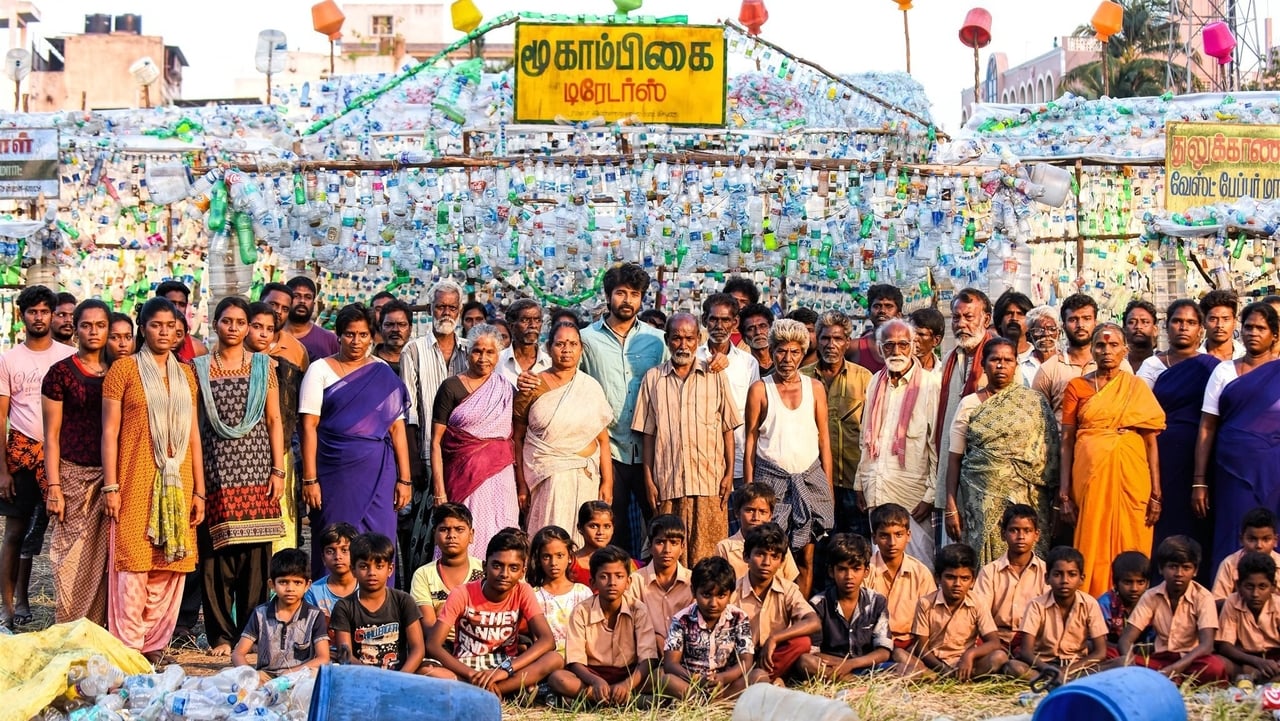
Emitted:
<point x="672" y="74"/>
<point x="28" y="163"/>
<point x="1208" y="163"/>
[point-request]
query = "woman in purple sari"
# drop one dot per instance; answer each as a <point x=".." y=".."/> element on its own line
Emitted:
<point x="472" y="459"/>
<point x="1183" y="372"/>
<point x="355" y="458"/>
<point x="1240" y="433"/>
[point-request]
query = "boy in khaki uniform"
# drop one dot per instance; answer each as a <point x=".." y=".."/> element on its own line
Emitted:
<point x="1008" y="584"/>
<point x="1063" y="632"/>
<point x="949" y="623"/>
<point x="782" y="621"/>
<point x="899" y="577"/>
<point x="1183" y="614"/>
<point x="1249" y="630"/>
<point x="610" y="646"/>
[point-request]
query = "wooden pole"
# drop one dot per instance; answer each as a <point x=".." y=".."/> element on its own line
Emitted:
<point x="977" y="91"/>
<point x="906" y="34"/>
<point x="330" y="57"/>
<point x="1106" y="73"/>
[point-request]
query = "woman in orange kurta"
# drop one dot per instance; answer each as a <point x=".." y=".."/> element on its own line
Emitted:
<point x="1110" y="462"/>
<point x="154" y="492"/>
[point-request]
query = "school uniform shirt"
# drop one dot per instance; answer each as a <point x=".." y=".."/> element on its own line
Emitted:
<point x="284" y="645"/>
<point x="1177" y="631"/>
<point x="1224" y="583"/>
<point x="483" y="627"/>
<point x="902" y="592"/>
<point x="770" y="613"/>
<point x="863" y="631"/>
<point x="948" y="634"/>
<point x="731" y="549"/>
<point x="589" y="640"/>
<point x="377" y="637"/>
<point x="1008" y="594"/>
<point x="706" y="648"/>
<point x="1058" y="637"/>
<point x="1255" y="635"/>
<point x="661" y="604"/>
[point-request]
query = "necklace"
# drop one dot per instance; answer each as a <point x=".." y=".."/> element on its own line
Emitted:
<point x="97" y="369"/>
<point x="218" y="358"/>
<point x="343" y="364"/>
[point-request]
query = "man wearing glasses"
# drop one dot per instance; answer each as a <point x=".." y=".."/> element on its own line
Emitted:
<point x="1043" y="332"/>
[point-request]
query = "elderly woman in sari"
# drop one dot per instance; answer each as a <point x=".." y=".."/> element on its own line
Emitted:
<point x="355" y="455"/>
<point x="1110" y="461"/>
<point x="789" y="445"/>
<point x="1240" y="433"/>
<point x="562" y="434"/>
<point x="1004" y="450"/>
<point x="472" y="461"/>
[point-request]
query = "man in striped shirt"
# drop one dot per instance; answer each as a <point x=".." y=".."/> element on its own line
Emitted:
<point x="687" y="415"/>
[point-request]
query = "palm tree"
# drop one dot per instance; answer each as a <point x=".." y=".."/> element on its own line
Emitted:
<point x="1137" y="57"/>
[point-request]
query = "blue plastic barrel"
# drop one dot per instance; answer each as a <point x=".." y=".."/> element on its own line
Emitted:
<point x="364" y="693"/>
<point x="1132" y="693"/>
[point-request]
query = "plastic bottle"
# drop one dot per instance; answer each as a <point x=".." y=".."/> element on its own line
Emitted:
<point x="766" y="702"/>
<point x="197" y="705"/>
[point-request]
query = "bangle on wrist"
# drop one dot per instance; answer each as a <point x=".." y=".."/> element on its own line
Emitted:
<point x="53" y="485"/>
<point x="1200" y="485"/>
<point x="309" y="481"/>
<point x="113" y="488"/>
<point x="277" y="472"/>
<point x="403" y="482"/>
<point x="198" y="495"/>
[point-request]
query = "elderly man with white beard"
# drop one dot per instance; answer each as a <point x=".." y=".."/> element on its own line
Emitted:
<point x="899" y="460"/>
<point x="687" y="414"/>
<point x="1043" y="331"/>
<point x="962" y="374"/>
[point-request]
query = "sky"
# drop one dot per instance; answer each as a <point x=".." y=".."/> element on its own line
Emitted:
<point x="842" y="35"/>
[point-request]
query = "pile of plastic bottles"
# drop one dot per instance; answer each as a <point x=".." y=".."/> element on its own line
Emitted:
<point x="98" y="691"/>
<point x="1115" y="129"/>
<point x="1265" y="697"/>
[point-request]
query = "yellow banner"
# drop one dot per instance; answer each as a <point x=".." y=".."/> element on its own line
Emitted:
<point x="672" y="74"/>
<point x="1208" y="163"/>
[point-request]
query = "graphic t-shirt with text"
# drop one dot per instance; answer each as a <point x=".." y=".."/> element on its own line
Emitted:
<point x="484" y="627"/>
<point x="377" y="638"/>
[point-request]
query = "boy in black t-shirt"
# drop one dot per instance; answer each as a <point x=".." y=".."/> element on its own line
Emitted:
<point x="376" y="625"/>
<point x="855" y="634"/>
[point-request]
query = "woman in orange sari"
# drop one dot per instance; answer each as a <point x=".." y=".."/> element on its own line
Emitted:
<point x="1110" y="461"/>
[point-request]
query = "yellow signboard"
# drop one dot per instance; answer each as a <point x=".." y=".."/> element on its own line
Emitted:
<point x="671" y="74"/>
<point x="1209" y="163"/>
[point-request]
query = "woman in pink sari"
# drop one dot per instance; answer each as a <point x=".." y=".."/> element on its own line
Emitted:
<point x="471" y="452"/>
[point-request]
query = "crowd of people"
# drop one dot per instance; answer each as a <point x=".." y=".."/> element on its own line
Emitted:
<point x="642" y="503"/>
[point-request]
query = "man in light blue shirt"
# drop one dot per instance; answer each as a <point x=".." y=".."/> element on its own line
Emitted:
<point x="617" y="351"/>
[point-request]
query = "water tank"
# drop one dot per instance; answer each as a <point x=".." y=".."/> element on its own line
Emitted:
<point x="97" y="24"/>
<point x="129" y="23"/>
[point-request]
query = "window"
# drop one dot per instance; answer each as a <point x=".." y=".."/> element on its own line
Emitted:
<point x="382" y="25"/>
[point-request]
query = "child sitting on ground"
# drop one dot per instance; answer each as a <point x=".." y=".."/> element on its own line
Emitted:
<point x="377" y="625"/>
<point x="1063" y="633"/>
<point x="663" y="586"/>
<point x="855" y="620"/>
<point x="452" y="529"/>
<point x="901" y="578"/>
<point x="286" y="632"/>
<point x="1183" y="614"/>
<point x="1130" y="577"/>
<point x="339" y="582"/>
<point x="486" y="617"/>
<point x="595" y="523"/>
<point x="709" y="648"/>
<point x="1249" y="630"/>
<point x="1008" y="584"/>
<point x="755" y="506"/>
<point x="955" y="635"/>
<point x="1257" y="534"/>
<point x="557" y="594"/>
<point x="611" y="648"/>
<point x="782" y="621"/>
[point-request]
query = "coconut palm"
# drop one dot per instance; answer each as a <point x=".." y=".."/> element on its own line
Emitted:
<point x="1137" y="57"/>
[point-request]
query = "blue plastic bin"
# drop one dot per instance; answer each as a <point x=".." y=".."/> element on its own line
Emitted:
<point x="1123" y="694"/>
<point x="363" y="693"/>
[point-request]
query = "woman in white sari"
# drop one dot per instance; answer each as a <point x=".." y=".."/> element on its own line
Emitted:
<point x="561" y="431"/>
